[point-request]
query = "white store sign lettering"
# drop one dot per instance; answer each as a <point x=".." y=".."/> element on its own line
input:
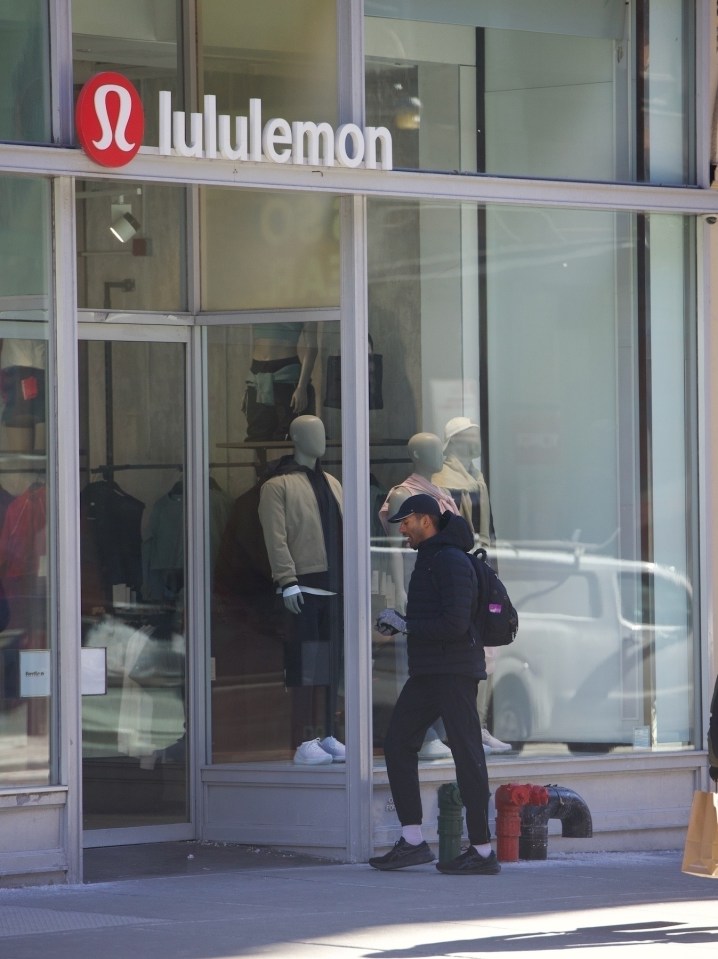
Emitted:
<point x="213" y="136"/>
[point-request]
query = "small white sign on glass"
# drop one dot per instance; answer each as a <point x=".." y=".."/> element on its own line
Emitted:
<point x="34" y="673"/>
<point x="93" y="670"/>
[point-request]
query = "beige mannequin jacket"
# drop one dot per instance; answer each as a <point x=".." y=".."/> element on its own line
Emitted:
<point x="292" y="526"/>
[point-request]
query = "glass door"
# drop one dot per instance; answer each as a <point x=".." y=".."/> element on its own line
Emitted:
<point x="133" y="532"/>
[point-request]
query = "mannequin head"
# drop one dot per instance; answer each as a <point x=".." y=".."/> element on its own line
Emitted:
<point x="426" y="454"/>
<point x="310" y="441"/>
<point x="462" y="438"/>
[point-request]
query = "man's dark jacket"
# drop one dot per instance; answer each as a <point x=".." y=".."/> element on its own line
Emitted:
<point x="713" y="735"/>
<point x="441" y="596"/>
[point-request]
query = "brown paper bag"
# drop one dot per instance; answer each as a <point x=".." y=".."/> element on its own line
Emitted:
<point x="700" y="855"/>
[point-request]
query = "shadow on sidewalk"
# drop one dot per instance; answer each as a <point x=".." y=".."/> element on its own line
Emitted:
<point x="623" y="934"/>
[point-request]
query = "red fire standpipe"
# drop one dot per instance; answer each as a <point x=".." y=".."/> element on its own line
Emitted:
<point x="510" y="798"/>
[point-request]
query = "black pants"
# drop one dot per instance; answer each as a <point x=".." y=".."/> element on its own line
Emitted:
<point x="421" y="702"/>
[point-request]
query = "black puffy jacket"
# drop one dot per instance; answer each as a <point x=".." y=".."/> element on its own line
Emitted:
<point x="713" y="734"/>
<point x="441" y="596"/>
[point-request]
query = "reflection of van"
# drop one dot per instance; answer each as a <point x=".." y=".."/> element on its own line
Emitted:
<point x="603" y="655"/>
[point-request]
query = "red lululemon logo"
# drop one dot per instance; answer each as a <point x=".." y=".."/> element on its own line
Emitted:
<point x="109" y="119"/>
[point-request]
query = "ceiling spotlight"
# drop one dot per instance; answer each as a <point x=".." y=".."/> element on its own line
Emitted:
<point x="407" y="113"/>
<point x="124" y="227"/>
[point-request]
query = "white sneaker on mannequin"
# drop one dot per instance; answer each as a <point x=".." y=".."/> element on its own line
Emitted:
<point x="434" y="749"/>
<point x="311" y="753"/>
<point x="494" y="744"/>
<point x="335" y="749"/>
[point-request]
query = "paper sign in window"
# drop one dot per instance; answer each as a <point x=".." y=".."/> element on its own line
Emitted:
<point x="93" y="670"/>
<point x="34" y="673"/>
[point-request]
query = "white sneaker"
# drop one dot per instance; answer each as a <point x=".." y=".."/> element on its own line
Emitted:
<point x="335" y="749"/>
<point x="311" y="754"/>
<point x="434" y="749"/>
<point x="494" y="744"/>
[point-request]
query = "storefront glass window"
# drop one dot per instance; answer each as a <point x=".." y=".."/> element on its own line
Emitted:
<point x="139" y="39"/>
<point x="267" y="251"/>
<point x="528" y="356"/>
<point x="24" y="72"/>
<point x="282" y="52"/>
<point x="541" y="88"/>
<point x="275" y="520"/>
<point x="26" y="646"/>
<point x="132" y="551"/>
<point x="130" y="246"/>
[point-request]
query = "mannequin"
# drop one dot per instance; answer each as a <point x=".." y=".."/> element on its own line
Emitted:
<point x="426" y="453"/>
<point x="465" y="481"/>
<point x="300" y="510"/>
<point x="22" y="384"/>
<point x="279" y="387"/>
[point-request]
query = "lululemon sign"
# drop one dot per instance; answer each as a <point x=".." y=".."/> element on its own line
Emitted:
<point x="110" y="119"/>
<point x="110" y="125"/>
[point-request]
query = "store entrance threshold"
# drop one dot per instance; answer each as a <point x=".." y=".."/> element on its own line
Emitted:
<point x="154" y="860"/>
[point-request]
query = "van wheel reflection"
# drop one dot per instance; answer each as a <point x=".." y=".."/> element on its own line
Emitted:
<point x="510" y="712"/>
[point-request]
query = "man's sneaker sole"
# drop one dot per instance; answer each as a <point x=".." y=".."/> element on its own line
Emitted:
<point x="476" y="866"/>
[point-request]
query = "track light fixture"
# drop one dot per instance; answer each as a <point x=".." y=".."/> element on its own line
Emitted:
<point x="125" y="227"/>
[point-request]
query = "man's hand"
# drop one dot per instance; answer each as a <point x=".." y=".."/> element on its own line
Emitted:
<point x="389" y="622"/>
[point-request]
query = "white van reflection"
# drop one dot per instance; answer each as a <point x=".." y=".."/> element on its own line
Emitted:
<point x="603" y="656"/>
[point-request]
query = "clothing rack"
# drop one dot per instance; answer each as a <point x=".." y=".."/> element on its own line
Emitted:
<point x="24" y="469"/>
<point x="261" y="447"/>
<point x="121" y="467"/>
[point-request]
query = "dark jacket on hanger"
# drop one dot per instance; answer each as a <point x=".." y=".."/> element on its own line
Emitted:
<point x="111" y="525"/>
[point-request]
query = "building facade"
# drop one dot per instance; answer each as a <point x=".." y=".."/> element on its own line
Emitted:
<point x="475" y="242"/>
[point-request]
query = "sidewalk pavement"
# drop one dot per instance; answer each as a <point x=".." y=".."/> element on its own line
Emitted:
<point x="588" y="904"/>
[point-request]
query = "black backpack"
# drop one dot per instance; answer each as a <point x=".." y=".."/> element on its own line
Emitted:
<point x="496" y="620"/>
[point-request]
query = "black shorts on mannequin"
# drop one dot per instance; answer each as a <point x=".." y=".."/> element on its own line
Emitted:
<point x="314" y="660"/>
<point x="271" y="421"/>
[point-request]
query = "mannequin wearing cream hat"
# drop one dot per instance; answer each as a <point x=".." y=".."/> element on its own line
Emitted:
<point x="466" y="483"/>
<point x="462" y="447"/>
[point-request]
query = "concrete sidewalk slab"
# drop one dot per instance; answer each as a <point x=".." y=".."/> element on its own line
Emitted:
<point x="613" y="904"/>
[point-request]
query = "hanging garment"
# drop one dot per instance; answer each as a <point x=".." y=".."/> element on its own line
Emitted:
<point x="163" y="548"/>
<point x="111" y="538"/>
<point x="23" y="539"/>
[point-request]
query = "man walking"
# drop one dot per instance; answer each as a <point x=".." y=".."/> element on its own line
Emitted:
<point x="446" y="662"/>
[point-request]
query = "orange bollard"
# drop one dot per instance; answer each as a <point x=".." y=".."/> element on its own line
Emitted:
<point x="509" y="800"/>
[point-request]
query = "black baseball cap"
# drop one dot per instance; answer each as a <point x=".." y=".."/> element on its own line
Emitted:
<point x="419" y="503"/>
